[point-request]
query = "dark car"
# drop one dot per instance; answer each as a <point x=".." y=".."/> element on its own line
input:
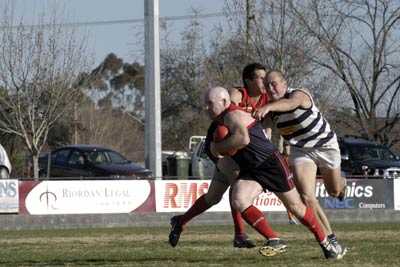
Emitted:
<point x="368" y="158"/>
<point x="89" y="161"/>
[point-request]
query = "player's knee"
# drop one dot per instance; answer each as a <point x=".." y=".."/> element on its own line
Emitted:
<point x="309" y="201"/>
<point x="296" y="208"/>
<point x="235" y="203"/>
<point x="239" y="203"/>
<point x="333" y="192"/>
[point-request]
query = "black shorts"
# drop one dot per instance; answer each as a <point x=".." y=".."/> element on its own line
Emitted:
<point x="273" y="174"/>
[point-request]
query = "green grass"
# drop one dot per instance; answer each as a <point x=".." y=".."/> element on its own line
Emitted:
<point x="370" y="245"/>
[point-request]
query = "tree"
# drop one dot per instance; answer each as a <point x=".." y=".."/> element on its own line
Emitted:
<point x="113" y="128"/>
<point x="182" y="83"/>
<point x="39" y="66"/>
<point x="360" y="42"/>
<point x="118" y="83"/>
<point x="111" y="109"/>
<point x="262" y="31"/>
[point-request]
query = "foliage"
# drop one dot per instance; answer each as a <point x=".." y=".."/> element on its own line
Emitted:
<point x="113" y="128"/>
<point x="359" y="42"/>
<point x="117" y="84"/>
<point x="183" y="82"/>
<point x="38" y="68"/>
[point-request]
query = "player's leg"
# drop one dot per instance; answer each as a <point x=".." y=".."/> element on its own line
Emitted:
<point x="240" y="239"/>
<point x="215" y="192"/>
<point x="305" y="171"/>
<point x="306" y="216"/>
<point x="329" y="161"/>
<point x="243" y="194"/>
<point x="231" y="171"/>
<point x="291" y="218"/>
<point x="295" y="205"/>
<point x="335" y="184"/>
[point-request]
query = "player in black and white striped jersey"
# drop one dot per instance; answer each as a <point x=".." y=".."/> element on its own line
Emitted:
<point x="313" y="143"/>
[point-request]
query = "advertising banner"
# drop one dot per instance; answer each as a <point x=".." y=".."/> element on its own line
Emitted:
<point x="396" y="187"/>
<point x="88" y="197"/>
<point x="361" y="194"/>
<point x="125" y="196"/>
<point x="179" y="195"/>
<point x="9" y="199"/>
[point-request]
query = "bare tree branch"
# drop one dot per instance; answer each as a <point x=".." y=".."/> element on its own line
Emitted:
<point x="38" y="66"/>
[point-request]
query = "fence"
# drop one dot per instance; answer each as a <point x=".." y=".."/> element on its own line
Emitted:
<point x="130" y="196"/>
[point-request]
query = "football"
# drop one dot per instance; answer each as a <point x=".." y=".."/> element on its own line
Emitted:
<point x="220" y="134"/>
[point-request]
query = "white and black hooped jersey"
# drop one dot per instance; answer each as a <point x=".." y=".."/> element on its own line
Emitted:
<point x="304" y="127"/>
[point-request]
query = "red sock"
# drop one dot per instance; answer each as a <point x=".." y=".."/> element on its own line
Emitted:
<point x="310" y="221"/>
<point x="237" y="218"/>
<point x="199" y="206"/>
<point x="237" y="222"/>
<point x="256" y="219"/>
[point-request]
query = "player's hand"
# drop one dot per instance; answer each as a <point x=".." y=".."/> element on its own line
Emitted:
<point x="260" y="113"/>
<point x="214" y="151"/>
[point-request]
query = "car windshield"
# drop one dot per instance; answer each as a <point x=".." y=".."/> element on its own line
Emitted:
<point x="105" y="157"/>
<point x="371" y="153"/>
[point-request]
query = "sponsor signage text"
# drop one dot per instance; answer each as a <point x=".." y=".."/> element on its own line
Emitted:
<point x="9" y="197"/>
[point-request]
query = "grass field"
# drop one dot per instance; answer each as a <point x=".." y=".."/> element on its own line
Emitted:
<point x="370" y="245"/>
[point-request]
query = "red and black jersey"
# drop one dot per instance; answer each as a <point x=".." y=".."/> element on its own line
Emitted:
<point x="258" y="150"/>
<point x="212" y="128"/>
<point x="248" y="104"/>
<point x="259" y="160"/>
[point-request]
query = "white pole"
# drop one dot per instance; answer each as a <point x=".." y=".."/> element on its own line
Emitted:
<point x="152" y="88"/>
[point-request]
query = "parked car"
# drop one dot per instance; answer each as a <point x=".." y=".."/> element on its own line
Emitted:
<point x="361" y="158"/>
<point x="89" y="161"/>
<point x="5" y="165"/>
<point x="201" y="165"/>
<point x="368" y="158"/>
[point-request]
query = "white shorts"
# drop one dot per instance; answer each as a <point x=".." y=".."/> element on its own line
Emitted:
<point x="325" y="157"/>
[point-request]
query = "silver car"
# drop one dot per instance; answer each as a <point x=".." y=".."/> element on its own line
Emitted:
<point x="202" y="166"/>
<point x="5" y="165"/>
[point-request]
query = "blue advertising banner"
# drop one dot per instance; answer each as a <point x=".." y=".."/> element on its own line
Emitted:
<point x="9" y="199"/>
<point x="361" y="194"/>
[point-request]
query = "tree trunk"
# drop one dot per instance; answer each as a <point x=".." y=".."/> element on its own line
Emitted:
<point x="35" y="162"/>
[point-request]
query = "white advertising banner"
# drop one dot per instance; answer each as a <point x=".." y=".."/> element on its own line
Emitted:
<point x="396" y="193"/>
<point x="9" y="196"/>
<point x="179" y="195"/>
<point x="86" y="197"/>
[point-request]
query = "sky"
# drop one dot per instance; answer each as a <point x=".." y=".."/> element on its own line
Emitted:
<point x="125" y="40"/>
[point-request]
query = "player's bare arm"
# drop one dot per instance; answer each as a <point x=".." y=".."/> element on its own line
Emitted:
<point x="235" y="95"/>
<point x="297" y="99"/>
<point x="237" y="122"/>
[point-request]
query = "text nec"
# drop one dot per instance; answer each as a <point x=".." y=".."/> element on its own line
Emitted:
<point x="333" y="203"/>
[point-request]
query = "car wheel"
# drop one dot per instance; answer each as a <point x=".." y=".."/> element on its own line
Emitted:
<point x="4" y="173"/>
